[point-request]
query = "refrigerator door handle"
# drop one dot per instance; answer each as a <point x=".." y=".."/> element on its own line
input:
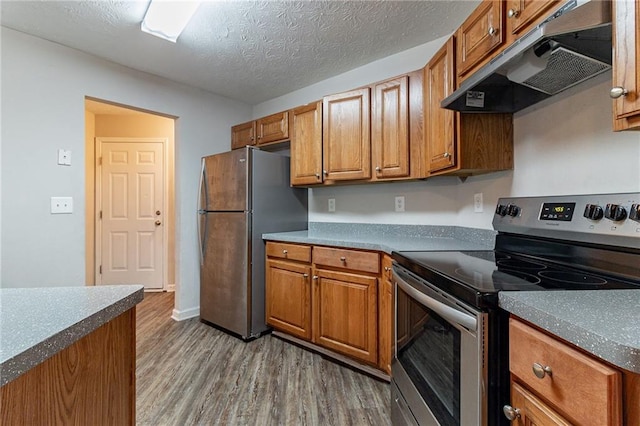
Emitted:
<point x="200" y="213"/>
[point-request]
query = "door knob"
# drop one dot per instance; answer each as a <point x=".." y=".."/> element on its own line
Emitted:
<point x="617" y="92"/>
<point x="158" y="223"/>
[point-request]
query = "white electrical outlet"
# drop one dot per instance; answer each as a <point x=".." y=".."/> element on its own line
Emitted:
<point x="64" y="157"/>
<point x="477" y="202"/>
<point x="332" y="205"/>
<point x="61" y="205"/>
<point x="400" y="203"/>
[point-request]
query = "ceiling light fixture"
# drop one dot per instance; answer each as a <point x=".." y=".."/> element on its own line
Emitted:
<point x="167" y="18"/>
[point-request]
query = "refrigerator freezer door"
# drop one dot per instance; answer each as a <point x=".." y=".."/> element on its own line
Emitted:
<point x="224" y="276"/>
<point x="225" y="184"/>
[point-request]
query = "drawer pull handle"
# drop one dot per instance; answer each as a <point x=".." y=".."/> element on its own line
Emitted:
<point x="343" y="259"/>
<point x="284" y="252"/>
<point x="540" y="371"/>
<point x="510" y="413"/>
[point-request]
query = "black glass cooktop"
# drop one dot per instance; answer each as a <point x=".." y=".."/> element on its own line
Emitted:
<point x="477" y="276"/>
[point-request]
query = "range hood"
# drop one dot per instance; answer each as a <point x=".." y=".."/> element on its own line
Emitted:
<point x="572" y="45"/>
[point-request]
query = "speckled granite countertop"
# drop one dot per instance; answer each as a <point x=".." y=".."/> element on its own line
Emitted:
<point x="388" y="238"/>
<point x="604" y="323"/>
<point x="37" y="323"/>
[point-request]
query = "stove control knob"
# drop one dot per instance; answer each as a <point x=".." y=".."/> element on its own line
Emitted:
<point x="634" y="214"/>
<point x="615" y="212"/>
<point x="501" y="210"/>
<point x="593" y="212"/>
<point x="513" y="210"/>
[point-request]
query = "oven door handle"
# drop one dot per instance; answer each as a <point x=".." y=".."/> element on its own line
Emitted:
<point x="450" y="314"/>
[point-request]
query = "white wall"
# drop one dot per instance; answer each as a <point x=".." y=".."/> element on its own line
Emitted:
<point x="563" y="145"/>
<point x="43" y="90"/>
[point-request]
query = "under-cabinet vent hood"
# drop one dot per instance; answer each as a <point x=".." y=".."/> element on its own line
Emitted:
<point x="572" y="45"/>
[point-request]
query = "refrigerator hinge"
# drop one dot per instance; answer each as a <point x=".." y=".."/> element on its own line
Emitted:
<point x="100" y="270"/>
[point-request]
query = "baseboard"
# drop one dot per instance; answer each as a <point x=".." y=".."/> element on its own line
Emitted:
<point x="185" y="314"/>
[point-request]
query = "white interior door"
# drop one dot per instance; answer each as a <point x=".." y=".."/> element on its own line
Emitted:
<point x="131" y="237"/>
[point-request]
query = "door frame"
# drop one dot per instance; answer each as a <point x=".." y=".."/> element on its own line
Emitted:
<point x="98" y="204"/>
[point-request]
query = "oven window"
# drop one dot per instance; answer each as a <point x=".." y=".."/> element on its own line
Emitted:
<point x="429" y="351"/>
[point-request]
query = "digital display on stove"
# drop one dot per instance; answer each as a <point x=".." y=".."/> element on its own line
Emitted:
<point x="557" y="211"/>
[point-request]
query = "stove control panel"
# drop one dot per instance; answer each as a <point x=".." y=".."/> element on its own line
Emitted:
<point x="611" y="219"/>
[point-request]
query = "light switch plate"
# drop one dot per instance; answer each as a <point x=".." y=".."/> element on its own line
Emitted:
<point x="61" y="205"/>
<point x="64" y="157"/>
<point x="332" y="205"/>
<point x="400" y="203"/>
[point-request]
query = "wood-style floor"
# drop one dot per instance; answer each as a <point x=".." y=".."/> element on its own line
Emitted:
<point x="189" y="373"/>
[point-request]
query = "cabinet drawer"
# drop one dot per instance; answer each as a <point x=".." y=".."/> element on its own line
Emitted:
<point x="289" y="251"/>
<point x="585" y="390"/>
<point x="348" y="259"/>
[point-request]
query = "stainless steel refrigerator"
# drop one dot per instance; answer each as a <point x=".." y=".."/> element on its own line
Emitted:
<point x="243" y="194"/>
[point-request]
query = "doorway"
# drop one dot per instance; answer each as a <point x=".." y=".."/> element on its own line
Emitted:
<point x="130" y="212"/>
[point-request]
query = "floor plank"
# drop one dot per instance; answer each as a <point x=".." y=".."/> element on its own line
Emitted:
<point x="189" y="373"/>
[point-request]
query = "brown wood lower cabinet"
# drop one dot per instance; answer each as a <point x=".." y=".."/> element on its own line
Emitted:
<point x="345" y="314"/>
<point x="334" y="298"/>
<point x="554" y="381"/>
<point x="288" y="297"/>
<point x="91" y="382"/>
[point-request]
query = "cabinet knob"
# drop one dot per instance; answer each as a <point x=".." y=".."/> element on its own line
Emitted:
<point x="343" y="259"/>
<point x="158" y="223"/>
<point x="446" y="155"/>
<point x="492" y="31"/>
<point x="513" y="13"/>
<point x="305" y="275"/>
<point x="315" y="277"/>
<point x="284" y="252"/>
<point x="326" y="173"/>
<point x="387" y="269"/>
<point x="317" y="175"/>
<point x="158" y="213"/>
<point x="541" y="370"/>
<point x="617" y="92"/>
<point x="378" y="169"/>
<point x="510" y="413"/>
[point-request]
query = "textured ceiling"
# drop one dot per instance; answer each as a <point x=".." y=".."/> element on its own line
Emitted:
<point x="246" y="50"/>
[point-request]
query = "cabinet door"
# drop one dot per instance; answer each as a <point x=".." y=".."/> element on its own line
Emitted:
<point x="626" y="70"/>
<point x="345" y="314"/>
<point x="346" y="137"/>
<point x="288" y="298"/>
<point x="480" y="35"/>
<point x="243" y="134"/>
<point x="532" y="411"/>
<point x="390" y="137"/>
<point x="273" y="128"/>
<point x="306" y="144"/>
<point x="523" y="15"/>
<point x="440" y="122"/>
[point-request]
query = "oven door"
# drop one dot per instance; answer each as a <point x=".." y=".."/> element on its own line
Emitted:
<point x="437" y="367"/>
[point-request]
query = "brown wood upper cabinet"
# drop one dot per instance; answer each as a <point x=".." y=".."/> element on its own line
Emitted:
<point x="243" y="134"/>
<point x="479" y="36"/>
<point x="306" y="144"/>
<point x="461" y="144"/>
<point x="272" y="128"/>
<point x="390" y="135"/>
<point x="346" y="136"/>
<point x="626" y="70"/>
<point x="523" y="15"/>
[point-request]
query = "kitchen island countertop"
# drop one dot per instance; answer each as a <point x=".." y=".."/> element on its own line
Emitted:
<point x="604" y="323"/>
<point x="37" y="323"/>
<point x="388" y="238"/>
